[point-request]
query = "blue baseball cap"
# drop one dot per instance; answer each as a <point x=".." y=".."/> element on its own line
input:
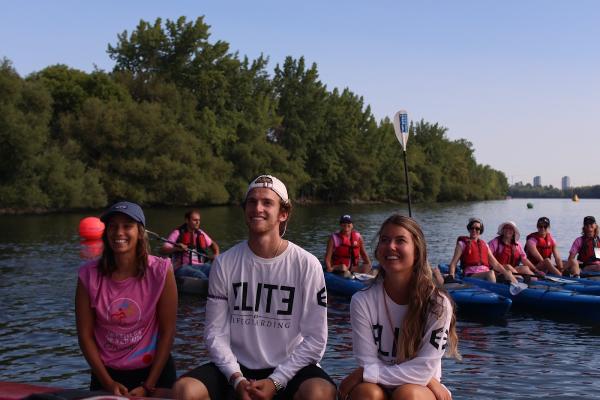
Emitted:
<point x="128" y="208"/>
<point x="345" y="219"/>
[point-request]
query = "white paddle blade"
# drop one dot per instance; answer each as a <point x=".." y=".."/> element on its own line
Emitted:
<point x="516" y="288"/>
<point x="401" y="127"/>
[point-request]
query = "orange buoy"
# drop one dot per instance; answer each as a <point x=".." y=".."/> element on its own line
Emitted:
<point x="91" y="249"/>
<point x="91" y="228"/>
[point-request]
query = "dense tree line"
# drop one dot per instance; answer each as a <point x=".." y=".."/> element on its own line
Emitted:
<point x="520" y="190"/>
<point x="182" y="120"/>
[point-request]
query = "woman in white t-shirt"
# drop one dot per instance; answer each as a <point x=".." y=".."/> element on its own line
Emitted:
<point x="402" y="324"/>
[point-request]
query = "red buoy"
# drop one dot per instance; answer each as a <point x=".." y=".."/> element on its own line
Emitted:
<point x="91" y="228"/>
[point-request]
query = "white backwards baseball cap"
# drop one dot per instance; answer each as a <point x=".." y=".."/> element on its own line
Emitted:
<point x="269" y="182"/>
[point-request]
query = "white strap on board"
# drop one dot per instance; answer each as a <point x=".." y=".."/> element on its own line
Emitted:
<point x="362" y="277"/>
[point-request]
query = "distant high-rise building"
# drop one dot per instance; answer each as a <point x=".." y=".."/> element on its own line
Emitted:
<point x="537" y="181"/>
<point x="566" y="183"/>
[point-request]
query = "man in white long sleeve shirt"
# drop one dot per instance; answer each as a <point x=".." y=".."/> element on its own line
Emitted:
<point x="266" y="314"/>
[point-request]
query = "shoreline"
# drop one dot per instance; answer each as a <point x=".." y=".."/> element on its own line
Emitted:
<point x="7" y="211"/>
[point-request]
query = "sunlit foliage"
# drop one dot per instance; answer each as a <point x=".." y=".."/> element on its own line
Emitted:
<point x="181" y="120"/>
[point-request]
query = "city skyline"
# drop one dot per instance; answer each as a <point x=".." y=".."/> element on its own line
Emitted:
<point x="565" y="183"/>
<point x="513" y="78"/>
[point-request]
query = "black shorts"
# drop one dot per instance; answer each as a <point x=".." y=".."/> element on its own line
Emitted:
<point x="133" y="378"/>
<point x="219" y="388"/>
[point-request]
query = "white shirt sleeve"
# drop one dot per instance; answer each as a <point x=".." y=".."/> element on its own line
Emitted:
<point x="313" y="326"/>
<point x="419" y="370"/>
<point x="217" y="332"/>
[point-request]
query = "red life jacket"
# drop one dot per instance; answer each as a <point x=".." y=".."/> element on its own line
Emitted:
<point x="543" y="245"/>
<point x="508" y="254"/>
<point x="185" y="237"/>
<point x="474" y="253"/>
<point x="348" y="250"/>
<point x="586" y="252"/>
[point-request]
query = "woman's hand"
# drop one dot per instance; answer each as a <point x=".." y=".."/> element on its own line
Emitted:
<point x="350" y="383"/>
<point x="439" y="390"/>
<point x="116" y="388"/>
<point x="139" y="392"/>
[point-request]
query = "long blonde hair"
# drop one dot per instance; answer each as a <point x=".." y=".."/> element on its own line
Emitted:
<point x="424" y="296"/>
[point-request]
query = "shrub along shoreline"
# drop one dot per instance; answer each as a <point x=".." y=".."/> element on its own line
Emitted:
<point x="181" y="120"/>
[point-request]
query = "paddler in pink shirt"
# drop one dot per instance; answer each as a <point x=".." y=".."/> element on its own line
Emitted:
<point x="126" y="307"/>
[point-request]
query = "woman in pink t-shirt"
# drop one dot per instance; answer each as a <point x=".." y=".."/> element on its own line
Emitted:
<point x="508" y="251"/>
<point x="126" y="307"/>
<point x="586" y="248"/>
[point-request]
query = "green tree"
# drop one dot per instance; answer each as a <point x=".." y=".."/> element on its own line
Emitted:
<point x="301" y="102"/>
<point x="37" y="170"/>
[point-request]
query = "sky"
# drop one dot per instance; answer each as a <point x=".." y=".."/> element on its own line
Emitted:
<point x="519" y="79"/>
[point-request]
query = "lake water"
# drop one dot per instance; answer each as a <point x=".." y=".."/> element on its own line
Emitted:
<point x="523" y="356"/>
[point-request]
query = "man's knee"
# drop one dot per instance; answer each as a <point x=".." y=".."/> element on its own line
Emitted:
<point x="315" y="389"/>
<point x="367" y="391"/>
<point x="190" y="389"/>
<point x="412" y="392"/>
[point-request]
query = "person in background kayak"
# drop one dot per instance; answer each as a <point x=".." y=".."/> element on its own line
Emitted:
<point x="345" y="249"/>
<point x="541" y="246"/>
<point x="586" y="249"/>
<point x="508" y="251"/>
<point x="266" y="313"/>
<point x="402" y="324"/>
<point x="125" y="309"/>
<point x="188" y="237"/>
<point x="477" y="260"/>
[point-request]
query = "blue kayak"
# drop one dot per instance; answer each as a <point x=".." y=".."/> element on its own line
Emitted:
<point x="551" y="301"/>
<point x="338" y="285"/>
<point x="194" y="285"/>
<point x="471" y="300"/>
<point x="584" y="286"/>
<point x="592" y="276"/>
<point x="581" y="281"/>
<point x="475" y="302"/>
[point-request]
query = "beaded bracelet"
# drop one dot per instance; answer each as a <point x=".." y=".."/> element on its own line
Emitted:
<point x="237" y="381"/>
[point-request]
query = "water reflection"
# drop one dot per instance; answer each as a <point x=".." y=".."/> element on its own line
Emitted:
<point x="91" y="249"/>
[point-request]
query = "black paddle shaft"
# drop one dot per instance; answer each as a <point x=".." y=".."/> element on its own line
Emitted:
<point x="407" y="184"/>
<point x="156" y="235"/>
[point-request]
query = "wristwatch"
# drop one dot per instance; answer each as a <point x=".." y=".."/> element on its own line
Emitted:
<point x="278" y="385"/>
